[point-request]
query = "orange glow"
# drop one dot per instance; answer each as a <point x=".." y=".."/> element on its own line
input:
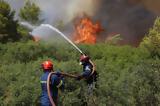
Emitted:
<point x="36" y="39"/>
<point x="86" y="31"/>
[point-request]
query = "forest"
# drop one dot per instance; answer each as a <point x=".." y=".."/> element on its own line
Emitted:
<point x="128" y="76"/>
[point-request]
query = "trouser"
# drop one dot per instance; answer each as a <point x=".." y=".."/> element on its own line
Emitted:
<point x="91" y="82"/>
<point x="48" y="103"/>
<point x="92" y="78"/>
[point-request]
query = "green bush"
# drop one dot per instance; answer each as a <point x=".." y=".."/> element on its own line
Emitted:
<point x="127" y="75"/>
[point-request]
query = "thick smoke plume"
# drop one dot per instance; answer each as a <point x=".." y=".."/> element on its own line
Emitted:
<point x="130" y="18"/>
<point x="152" y="5"/>
<point x="56" y="10"/>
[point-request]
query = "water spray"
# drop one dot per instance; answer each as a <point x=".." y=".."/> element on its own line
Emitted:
<point x="28" y="25"/>
<point x="31" y="27"/>
<point x="59" y="32"/>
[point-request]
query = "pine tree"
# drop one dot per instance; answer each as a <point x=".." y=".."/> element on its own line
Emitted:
<point x="8" y="26"/>
<point x="30" y="12"/>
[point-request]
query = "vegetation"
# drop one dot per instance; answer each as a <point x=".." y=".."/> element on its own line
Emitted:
<point x="30" y="12"/>
<point x="8" y="26"/>
<point x="152" y="40"/>
<point x="128" y="76"/>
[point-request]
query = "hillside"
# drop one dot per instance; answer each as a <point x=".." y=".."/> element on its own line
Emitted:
<point x="127" y="75"/>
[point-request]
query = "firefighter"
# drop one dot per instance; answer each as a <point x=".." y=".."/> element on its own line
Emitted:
<point x="56" y="81"/>
<point x="89" y="73"/>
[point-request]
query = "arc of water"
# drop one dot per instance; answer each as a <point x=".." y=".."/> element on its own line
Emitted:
<point x="52" y="28"/>
<point x="55" y="29"/>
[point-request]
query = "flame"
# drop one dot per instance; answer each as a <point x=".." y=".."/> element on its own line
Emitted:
<point x="87" y="31"/>
<point x="36" y="39"/>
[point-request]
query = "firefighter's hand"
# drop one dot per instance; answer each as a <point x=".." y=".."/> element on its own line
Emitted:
<point x="58" y="73"/>
<point x="79" y="78"/>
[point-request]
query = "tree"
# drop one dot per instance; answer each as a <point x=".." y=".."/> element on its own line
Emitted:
<point x="8" y="26"/>
<point x="145" y="83"/>
<point x="152" y="40"/>
<point x="30" y="12"/>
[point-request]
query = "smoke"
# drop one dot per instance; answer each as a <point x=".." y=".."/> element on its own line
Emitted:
<point x="130" y="18"/>
<point x="56" y="10"/>
<point x="151" y="5"/>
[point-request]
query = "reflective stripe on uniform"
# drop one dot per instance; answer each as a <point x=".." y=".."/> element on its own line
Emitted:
<point x="60" y="83"/>
<point x="43" y="82"/>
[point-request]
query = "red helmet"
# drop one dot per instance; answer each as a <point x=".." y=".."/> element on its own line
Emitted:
<point x="47" y="65"/>
<point x="84" y="58"/>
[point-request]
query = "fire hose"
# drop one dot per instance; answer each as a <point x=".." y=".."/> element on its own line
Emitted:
<point x="94" y="67"/>
<point x="48" y="84"/>
<point x="63" y="74"/>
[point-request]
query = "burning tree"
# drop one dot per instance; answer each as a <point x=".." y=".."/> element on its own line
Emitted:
<point x="86" y="31"/>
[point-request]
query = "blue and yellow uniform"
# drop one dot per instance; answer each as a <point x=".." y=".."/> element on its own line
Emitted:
<point x="88" y="73"/>
<point x="56" y="81"/>
<point x="87" y="70"/>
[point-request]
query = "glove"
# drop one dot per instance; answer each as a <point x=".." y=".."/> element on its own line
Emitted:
<point x="58" y="73"/>
<point x="79" y="78"/>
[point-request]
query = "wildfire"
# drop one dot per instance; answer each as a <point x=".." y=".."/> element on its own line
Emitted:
<point x="86" y="31"/>
<point x="36" y="39"/>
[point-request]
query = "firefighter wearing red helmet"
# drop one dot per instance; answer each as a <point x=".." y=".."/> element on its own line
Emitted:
<point x="89" y="73"/>
<point x="56" y="82"/>
<point x="47" y="65"/>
